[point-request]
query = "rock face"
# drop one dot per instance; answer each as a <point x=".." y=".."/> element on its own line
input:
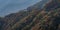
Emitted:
<point x="47" y="18"/>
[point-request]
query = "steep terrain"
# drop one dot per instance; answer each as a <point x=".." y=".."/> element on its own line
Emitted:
<point x="46" y="18"/>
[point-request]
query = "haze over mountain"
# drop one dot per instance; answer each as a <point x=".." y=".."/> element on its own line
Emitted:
<point x="11" y="6"/>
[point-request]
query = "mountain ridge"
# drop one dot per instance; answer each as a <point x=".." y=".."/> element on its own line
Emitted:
<point x="47" y="18"/>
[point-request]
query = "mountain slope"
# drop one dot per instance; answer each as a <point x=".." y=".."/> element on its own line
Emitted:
<point x="38" y="5"/>
<point x="47" y="18"/>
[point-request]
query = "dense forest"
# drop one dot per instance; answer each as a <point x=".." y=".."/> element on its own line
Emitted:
<point x="44" y="15"/>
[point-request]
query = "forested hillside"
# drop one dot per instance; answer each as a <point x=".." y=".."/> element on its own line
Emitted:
<point x="34" y="18"/>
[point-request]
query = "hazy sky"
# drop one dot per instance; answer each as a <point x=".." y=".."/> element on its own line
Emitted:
<point x="11" y="6"/>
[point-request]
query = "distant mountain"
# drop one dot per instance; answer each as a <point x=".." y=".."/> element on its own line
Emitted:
<point x="46" y="18"/>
